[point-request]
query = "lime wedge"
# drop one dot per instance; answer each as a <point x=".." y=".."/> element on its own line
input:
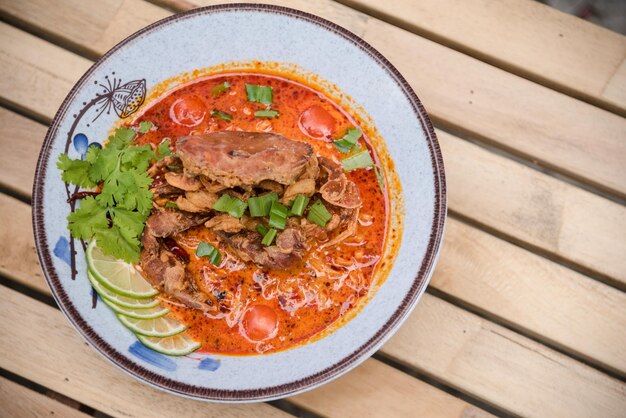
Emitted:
<point x="120" y="300"/>
<point x="143" y="313"/>
<point x="158" y="327"/>
<point x="116" y="275"/>
<point x="178" y="345"/>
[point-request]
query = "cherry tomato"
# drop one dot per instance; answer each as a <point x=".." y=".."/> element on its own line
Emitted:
<point x="259" y="322"/>
<point x="316" y="122"/>
<point x="188" y="111"/>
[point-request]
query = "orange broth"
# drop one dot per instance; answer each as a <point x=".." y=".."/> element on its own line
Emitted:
<point x="329" y="282"/>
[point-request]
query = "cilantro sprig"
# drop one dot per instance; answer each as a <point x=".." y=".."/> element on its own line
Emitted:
<point x="117" y="216"/>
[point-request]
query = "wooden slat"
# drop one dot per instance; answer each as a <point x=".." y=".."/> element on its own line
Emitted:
<point x="460" y="92"/>
<point x="24" y="138"/>
<point x="69" y="366"/>
<point x="20" y="402"/>
<point x="39" y="344"/>
<point x="456" y="347"/>
<point x="521" y="36"/>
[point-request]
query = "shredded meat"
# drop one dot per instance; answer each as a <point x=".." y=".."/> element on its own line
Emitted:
<point x="338" y="190"/>
<point x="225" y="223"/>
<point x="182" y="181"/>
<point x="202" y="199"/>
<point x="161" y="165"/>
<point x="272" y="186"/>
<point x="248" y="247"/>
<point x="305" y="187"/>
<point x="244" y="158"/>
<point x="164" y="222"/>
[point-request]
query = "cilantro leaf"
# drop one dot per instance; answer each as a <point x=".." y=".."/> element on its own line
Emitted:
<point x="75" y="171"/>
<point x="130" y="223"/>
<point x="87" y="218"/>
<point x="145" y="126"/>
<point x="92" y="154"/>
<point x="120" y="139"/>
<point x="105" y="163"/>
<point x="163" y="150"/>
<point x="112" y="242"/>
<point x="137" y="157"/>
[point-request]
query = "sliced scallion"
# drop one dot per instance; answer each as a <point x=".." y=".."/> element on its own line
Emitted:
<point x="221" y="115"/>
<point x="268" y="239"/>
<point x="259" y="94"/>
<point x="345" y="143"/>
<point x="220" y="88"/>
<point x="267" y="114"/>
<point x="262" y="229"/>
<point x="207" y="250"/>
<point x="231" y="205"/>
<point x="361" y="159"/>
<point x="171" y="205"/>
<point x="318" y="214"/>
<point x="380" y="177"/>
<point x="261" y="205"/>
<point x="299" y="203"/>
<point x="278" y="215"/>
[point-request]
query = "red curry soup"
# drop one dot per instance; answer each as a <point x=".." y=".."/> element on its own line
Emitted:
<point x="270" y="216"/>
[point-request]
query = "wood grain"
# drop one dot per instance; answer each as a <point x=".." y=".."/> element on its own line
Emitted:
<point x="460" y="92"/>
<point x="539" y="195"/>
<point x="68" y="365"/>
<point x="540" y="42"/>
<point x="20" y="402"/>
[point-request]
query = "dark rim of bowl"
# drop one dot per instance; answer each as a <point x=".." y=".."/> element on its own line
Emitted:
<point x="300" y="385"/>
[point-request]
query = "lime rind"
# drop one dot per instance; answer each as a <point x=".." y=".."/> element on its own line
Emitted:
<point x="158" y="327"/>
<point x="149" y="313"/>
<point x="178" y="345"/>
<point x="118" y="276"/>
<point x="123" y="301"/>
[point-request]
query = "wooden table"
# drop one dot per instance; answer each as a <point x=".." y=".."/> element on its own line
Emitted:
<point x="526" y="312"/>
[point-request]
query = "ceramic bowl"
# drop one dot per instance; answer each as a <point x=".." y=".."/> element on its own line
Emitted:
<point x="115" y="88"/>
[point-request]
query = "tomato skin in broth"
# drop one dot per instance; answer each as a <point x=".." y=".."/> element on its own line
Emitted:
<point x="266" y="310"/>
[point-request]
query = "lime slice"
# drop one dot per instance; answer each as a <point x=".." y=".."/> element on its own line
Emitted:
<point x="142" y="313"/>
<point x="120" y="300"/>
<point x="178" y="345"/>
<point x="117" y="275"/>
<point x="158" y="327"/>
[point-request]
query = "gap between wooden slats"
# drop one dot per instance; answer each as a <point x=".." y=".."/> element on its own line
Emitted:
<point x="460" y="92"/>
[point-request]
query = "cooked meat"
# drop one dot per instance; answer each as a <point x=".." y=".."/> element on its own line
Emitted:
<point x="305" y="187"/>
<point x="161" y="165"/>
<point x="244" y="158"/>
<point x="333" y="223"/>
<point x="349" y="218"/>
<point x="225" y="223"/>
<point x="272" y="186"/>
<point x="211" y="186"/>
<point x="164" y="222"/>
<point x="312" y="169"/>
<point x="248" y="247"/>
<point x="165" y="271"/>
<point x="182" y="181"/>
<point x="338" y="190"/>
<point x="184" y="204"/>
<point x="164" y="190"/>
<point x="202" y="199"/>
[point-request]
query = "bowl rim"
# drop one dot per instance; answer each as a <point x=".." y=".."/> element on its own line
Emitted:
<point x="340" y="367"/>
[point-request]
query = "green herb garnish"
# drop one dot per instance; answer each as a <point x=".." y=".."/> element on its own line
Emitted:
<point x="318" y="214"/>
<point x="221" y="115"/>
<point x="259" y="94"/>
<point x="145" y="127"/>
<point x="207" y="250"/>
<point x="268" y="238"/>
<point x="380" y="177"/>
<point x="346" y="142"/>
<point x="278" y="215"/>
<point x="262" y="229"/>
<point x="116" y="217"/>
<point x="220" y="88"/>
<point x="267" y="114"/>
<point x="361" y="159"/>
<point x="231" y="205"/>
<point x="171" y="205"/>
<point x="299" y="203"/>
<point x="260" y="205"/>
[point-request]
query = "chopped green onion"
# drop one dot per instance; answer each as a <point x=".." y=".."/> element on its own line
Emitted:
<point x="345" y="143"/>
<point x="268" y="114"/>
<point x="268" y="239"/>
<point x="299" y="203"/>
<point x="318" y="214"/>
<point x="362" y="159"/>
<point x="221" y="115"/>
<point x="171" y="205"/>
<point x="259" y="94"/>
<point x="380" y="177"/>
<point x="278" y="215"/>
<point x="231" y="205"/>
<point x="145" y="127"/>
<point x="220" y="88"/>
<point x="207" y="250"/>
<point x="262" y="229"/>
<point x="261" y="205"/>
